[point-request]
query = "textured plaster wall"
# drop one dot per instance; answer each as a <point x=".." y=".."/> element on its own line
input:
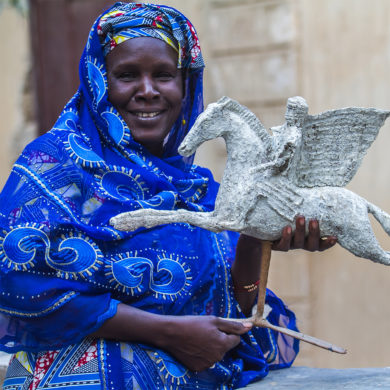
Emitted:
<point x="345" y="59"/>
<point x="14" y="65"/>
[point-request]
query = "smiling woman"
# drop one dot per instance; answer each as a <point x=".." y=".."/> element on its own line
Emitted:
<point x="85" y="305"/>
<point x="146" y="87"/>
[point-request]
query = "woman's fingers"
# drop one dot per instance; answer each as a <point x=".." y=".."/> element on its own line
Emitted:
<point x="201" y="341"/>
<point x="232" y="341"/>
<point x="284" y="244"/>
<point x="312" y="242"/>
<point x="233" y="327"/>
<point x="313" y="238"/>
<point x="299" y="235"/>
<point x="327" y="242"/>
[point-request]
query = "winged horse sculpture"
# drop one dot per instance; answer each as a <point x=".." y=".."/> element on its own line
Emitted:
<point x="270" y="178"/>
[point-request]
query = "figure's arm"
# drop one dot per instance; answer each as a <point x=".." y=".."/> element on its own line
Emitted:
<point x="279" y="160"/>
<point x="198" y="342"/>
<point x="246" y="267"/>
<point x="286" y="144"/>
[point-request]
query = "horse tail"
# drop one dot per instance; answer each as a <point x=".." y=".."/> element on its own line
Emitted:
<point x="381" y="216"/>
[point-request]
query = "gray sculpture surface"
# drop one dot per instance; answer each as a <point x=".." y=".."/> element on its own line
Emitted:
<point x="299" y="168"/>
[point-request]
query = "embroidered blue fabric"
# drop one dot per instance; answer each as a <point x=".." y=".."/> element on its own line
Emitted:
<point x="64" y="269"/>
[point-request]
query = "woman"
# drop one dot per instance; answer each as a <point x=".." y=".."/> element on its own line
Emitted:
<point x="84" y="305"/>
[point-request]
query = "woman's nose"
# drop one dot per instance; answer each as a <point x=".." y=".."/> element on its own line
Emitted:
<point x="146" y="89"/>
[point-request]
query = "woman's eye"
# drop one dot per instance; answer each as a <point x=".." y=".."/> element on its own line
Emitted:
<point x="127" y="76"/>
<point x="165" y="76"/>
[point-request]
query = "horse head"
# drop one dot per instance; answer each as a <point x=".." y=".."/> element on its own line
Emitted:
<point x="235" y="123"/>
<point x="206" y="127"/>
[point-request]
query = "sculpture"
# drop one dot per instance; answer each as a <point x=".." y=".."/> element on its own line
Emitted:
<point x="270" y="179"/>
<point x="299" y="170"/>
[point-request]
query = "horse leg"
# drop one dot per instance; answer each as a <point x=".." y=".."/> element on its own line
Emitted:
<point x="232" y="211"/>
<point x="149" y="218"/>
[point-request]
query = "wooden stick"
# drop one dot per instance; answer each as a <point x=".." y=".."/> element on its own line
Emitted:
<point x="258" y="320"/>
<point x="266" y="247"/>
<point x="263" y="323"/>
<point x="301" y="336"/>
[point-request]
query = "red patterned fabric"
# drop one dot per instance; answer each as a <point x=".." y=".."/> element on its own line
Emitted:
<point x="89" y="354"/>
<point x="43" y="363"/>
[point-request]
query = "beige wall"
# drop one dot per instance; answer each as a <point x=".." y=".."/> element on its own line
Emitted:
<point x="14" y="66"/>
<point x="345" y="57"/>
<point x="334" y="53"/>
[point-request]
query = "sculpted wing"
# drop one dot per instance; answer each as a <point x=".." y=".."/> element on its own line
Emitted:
<point x="334" y="144"/>
<point x="281" y="197"/>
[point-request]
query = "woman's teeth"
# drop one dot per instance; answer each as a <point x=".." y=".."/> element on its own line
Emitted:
<point x="147" y="114"/>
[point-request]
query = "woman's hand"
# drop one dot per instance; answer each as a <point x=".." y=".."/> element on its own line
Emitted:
<point x="313" y="241"/>
<point x="198" y="342"/>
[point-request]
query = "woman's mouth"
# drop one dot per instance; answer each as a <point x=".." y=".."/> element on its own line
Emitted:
<point x="141" y="114"/>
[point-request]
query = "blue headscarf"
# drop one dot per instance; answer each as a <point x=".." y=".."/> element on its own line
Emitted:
<point x="127" y="21"/>
<point x="67" y="184"/>
<point x="63" y="268"/>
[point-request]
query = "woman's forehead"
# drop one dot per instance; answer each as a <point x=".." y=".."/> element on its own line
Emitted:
<point x="142" y="49"/>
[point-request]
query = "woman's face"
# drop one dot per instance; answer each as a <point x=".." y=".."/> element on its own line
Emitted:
<point x="146" y="88"/>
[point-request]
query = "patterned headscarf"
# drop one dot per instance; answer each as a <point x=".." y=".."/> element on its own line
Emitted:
<point x="143" y="19"/>
<point x="138" y="20"/>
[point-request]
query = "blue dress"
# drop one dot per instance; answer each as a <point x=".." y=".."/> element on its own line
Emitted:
<point x="64" y="268"/>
